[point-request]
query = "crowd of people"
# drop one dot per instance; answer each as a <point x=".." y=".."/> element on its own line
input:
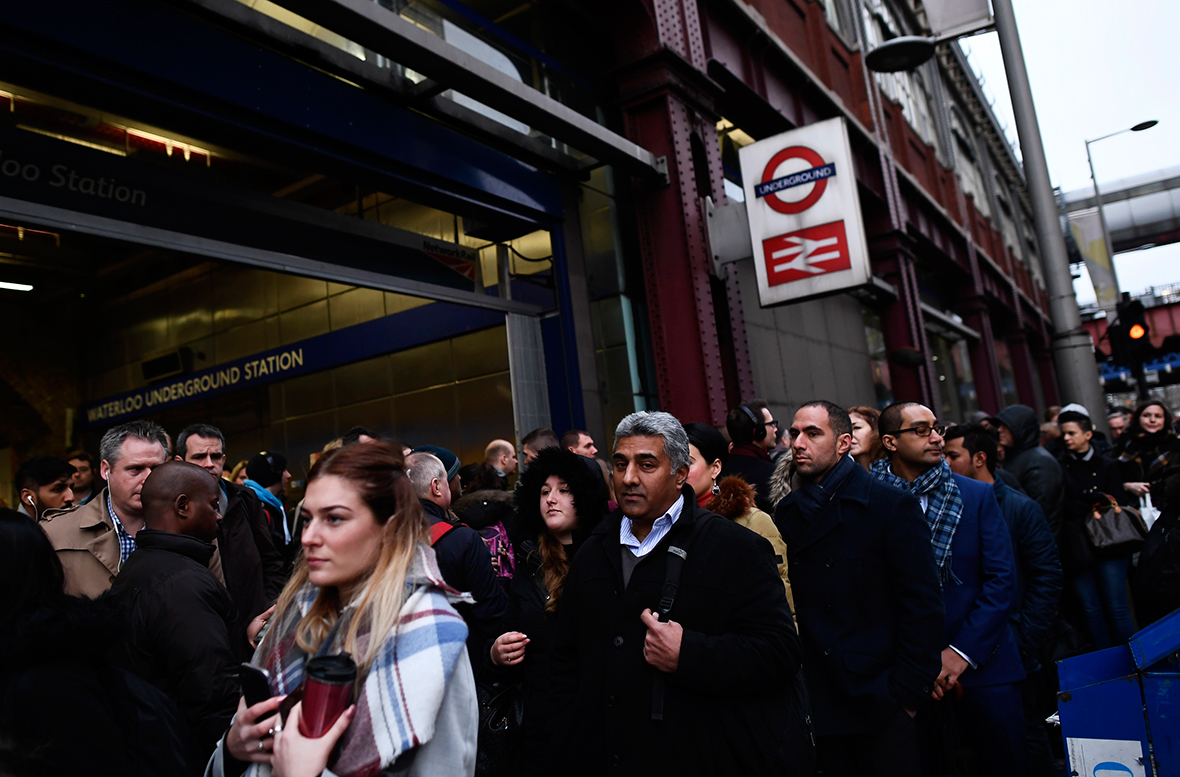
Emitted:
<point x="845" y="591"/>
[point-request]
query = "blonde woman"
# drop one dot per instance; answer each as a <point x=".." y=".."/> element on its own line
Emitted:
<point x="367" y="584"/>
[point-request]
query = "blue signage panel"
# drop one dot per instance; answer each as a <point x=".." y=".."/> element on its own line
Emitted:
<point x="407" y="329"/>
<point x="795" y="179"/>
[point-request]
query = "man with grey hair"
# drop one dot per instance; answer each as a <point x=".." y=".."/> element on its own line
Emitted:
<point x="670" y="612"/>
<point x="463" y="558"/>
<point x="93" y="541"/>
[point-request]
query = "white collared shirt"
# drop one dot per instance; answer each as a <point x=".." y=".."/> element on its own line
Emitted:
<point x="661" y="527"/>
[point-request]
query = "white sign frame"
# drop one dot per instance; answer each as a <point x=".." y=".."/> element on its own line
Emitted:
<point x="803" y="229"/>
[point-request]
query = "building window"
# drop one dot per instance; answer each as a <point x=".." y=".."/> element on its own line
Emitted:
<point x="957" y="398"/>
<point x="878" y="356"/>
<point x="905" y="88"/>
<point x="1007" y="373"/>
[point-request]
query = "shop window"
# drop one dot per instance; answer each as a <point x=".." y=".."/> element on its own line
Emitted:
<point x="957" y="398"/>
<point x="878" y="356"/>
<point x="1007" y="373"/>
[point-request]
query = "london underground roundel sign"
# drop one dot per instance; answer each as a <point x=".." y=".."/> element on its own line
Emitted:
<point x="801" y="198"/>
<point x="816" y="176"/>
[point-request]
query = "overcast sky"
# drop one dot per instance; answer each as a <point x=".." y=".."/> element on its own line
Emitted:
<point x="1098" y="66"/>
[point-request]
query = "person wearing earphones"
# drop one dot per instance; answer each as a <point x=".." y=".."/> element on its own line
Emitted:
<point x="44" y="484"/>
<point x="751" y="430"/>
<point x="94" y="541"/>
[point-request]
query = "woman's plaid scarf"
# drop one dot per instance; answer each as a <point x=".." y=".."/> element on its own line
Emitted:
<point x="400" y="697"/>
<point x="943" y="510"/>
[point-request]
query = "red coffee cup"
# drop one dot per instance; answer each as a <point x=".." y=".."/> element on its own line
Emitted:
<point x="327" y="690"/>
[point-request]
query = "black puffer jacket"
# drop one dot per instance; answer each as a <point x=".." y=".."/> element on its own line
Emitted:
<point x="179" y="622"/>
<point x="1038" y="472"/>
<point x="466" y="565"/>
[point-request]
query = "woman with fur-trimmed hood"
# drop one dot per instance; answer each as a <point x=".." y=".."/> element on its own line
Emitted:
<point x="732" y="498"/>
<point x="559" y="500"/>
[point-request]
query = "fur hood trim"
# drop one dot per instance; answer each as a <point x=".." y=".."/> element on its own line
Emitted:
<point x="734" y="499"/>
<point x="486" y="495"/>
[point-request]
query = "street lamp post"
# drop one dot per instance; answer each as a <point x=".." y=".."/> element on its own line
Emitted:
<point x="1098" y="195"/>
<point x="1073" y="351"/>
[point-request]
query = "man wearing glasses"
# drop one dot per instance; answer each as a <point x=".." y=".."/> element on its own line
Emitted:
<point x="866" y="598"/>
<point x="981" y="667"/>
<point x="752" y="432"/>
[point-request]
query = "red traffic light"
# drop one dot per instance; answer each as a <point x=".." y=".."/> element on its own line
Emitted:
<point x="1136" y="332"/>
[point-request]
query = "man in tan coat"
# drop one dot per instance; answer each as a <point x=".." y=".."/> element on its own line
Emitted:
<point x="93" y="541"/>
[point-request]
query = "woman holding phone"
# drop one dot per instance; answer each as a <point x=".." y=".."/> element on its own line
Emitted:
<point x="365" y="584"/>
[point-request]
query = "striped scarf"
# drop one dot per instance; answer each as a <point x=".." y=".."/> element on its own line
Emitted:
<point x="400" y="697"/>
<point x="943" y="510"/>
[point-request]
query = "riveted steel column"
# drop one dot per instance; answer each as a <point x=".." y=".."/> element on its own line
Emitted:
<point x="667" y="99"/>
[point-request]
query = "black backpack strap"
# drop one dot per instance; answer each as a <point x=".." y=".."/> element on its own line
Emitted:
<point x="677" y="555"/>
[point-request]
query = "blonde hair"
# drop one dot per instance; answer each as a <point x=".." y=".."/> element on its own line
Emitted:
<point x="377" y="472"/>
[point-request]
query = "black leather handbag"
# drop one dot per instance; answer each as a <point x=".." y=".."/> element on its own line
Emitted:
<point x="501" y="713"/>
<point x="1112" y="525"/>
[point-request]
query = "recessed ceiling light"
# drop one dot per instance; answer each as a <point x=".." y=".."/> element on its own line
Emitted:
<point x="16" y="286"/>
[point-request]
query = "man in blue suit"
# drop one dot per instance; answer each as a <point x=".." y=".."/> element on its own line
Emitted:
<point x="866" y="598"/>
<point x="977" y="570"/>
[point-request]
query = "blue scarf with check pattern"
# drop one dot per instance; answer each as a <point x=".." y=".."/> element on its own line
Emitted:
<point x="943" y="510"/>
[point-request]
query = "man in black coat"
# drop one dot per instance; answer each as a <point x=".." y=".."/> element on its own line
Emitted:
<point x="1039" y="473"/>
<point x="179" y="617"/>
<point x="706" y="691"/>
<point x="463" y="558"/>
<point x="867" y="598"/>
<point x="247" y="560"/>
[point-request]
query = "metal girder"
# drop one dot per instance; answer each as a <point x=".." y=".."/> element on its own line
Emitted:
<point x="383" y="31"/>
<point x="76" y="221"/>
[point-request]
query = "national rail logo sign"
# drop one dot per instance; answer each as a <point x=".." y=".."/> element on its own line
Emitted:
<point x="806" y="253"/>
<point x="804" y="212"/>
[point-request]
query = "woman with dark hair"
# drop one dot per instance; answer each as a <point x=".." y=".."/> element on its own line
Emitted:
<point x="732" y="498"/>
<point x="63" y="708"/>
<point x="366" y="584"/>
<point x="559" y="499"/>
<point x="1149" y="452"/>
<point x="866" y="441"/>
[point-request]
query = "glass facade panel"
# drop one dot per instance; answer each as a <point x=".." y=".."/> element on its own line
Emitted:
<point x="956" y="384"/>
<point x="878" y="356"/>
<point x="1007" y="374"/>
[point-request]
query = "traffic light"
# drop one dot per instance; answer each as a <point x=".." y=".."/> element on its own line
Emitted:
<point x="1133" y="322"/>
<point x="1130" y="340"/>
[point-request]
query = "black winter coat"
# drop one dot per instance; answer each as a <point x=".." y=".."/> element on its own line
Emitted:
<point x="1038" y="572"/>
<point x="527" y="597"/>
<point x="1036" y="469"/>
<point x="65" y="710"/>
<point x="1084" y="481"/>
<point x="868" y="603"/>
<point x="727" y="704"/>
<point x="466" y="565"/>
<point x="253" y="568"/>
<point x="179" y="622"/>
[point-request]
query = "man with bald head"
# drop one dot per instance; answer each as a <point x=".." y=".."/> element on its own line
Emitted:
<point x="179" y="618"/>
